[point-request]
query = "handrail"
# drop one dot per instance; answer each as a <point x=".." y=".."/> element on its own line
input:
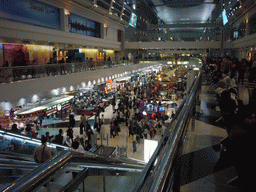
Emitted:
<point x="155" y="173"/>
<point x="30" y="181"/>
<point x="44" y="172"/>
<point x="74" y="183"/>
<point x="30" y="139"/>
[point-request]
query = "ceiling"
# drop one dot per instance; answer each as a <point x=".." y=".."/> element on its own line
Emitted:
<point x="184" y="11"/>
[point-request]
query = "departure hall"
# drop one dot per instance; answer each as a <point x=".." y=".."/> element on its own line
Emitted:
<point x="127" y="95"/>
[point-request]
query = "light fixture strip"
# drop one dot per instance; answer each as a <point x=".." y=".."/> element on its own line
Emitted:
<point x="122" y="12"/>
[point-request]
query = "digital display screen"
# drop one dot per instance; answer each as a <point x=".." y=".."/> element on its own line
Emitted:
<point x="224" y="17"/>
<point x="161" y="109"/>
<point x="133" y="20"/>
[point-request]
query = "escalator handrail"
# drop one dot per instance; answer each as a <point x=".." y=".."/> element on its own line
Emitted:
<point x="31" y="180"/>
<point x="162" y="169"/>
<point x="156" y="169"/>
<point x="30" y="139"/>
<point x="41" y="174"/>
<point x="75" y="182"/>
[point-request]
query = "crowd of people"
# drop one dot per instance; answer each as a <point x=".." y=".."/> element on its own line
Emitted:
<point x="126" y="112"/>
<point x="239" y="118"/>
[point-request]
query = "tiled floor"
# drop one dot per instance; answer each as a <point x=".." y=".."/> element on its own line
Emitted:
<point x="204" y="168"/>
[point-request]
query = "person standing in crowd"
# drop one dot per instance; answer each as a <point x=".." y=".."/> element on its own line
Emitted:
<point x="87" y="127"/>
<point x="226" y="64"/>
<point x="81" y="127"/>
<point x="241" y="71"/>
<point x="42" y="153"/>
<point x="116" y="127"/>
<point x="89" y="135"/>
<point x="152" y="133"/>
<point x="127" y="115"/>
<point x="96" y="125"/>
<point x="15" y="128"/>
<point x="70" y="133"/>
<point x="112" y="130"/>
<point x="145" y="129"/>
<point x="59" y="138"/>
<point x="134" y="141"/>
<point x="29" y="130"/>
<point x="48" y="137"/>
<point x="41" y="117"/>
<point x="83" y="118"/>
<point x="72" y="120"/>
<point x="242" y="143"/>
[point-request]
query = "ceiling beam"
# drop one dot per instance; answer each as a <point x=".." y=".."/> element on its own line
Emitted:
<point x="179" y="4"/>
<point x="192" y="25"/>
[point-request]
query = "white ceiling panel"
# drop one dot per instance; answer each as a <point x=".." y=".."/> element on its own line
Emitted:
<point x="199" y="14"/>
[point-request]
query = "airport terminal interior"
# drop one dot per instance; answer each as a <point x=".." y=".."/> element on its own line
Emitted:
<point x="127" y="95"/>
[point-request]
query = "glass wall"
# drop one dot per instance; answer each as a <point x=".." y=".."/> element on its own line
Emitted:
<point x="239" y="31"/>
<point x="171" y="35"/>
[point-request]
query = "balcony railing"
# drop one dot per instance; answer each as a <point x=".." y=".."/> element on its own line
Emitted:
<point x="10" y="74"/>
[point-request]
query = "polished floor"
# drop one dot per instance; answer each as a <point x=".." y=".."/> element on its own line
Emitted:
<point x="203" y="166"/>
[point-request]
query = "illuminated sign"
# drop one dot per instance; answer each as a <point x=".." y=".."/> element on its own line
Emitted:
<point x="133" y="20"/>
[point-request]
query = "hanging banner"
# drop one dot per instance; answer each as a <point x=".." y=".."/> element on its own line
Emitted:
<point x="30" y="12"/>
<point x="83" y="26"/>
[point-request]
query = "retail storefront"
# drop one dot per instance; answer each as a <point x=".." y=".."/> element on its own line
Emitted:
<point x="50" y="112"/>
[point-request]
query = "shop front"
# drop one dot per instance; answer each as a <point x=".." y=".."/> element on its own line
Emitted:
<point x="49" y="113"/>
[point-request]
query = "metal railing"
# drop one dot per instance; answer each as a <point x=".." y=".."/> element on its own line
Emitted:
<point x="19" y="143"/>
<point x="159" y="173"/>
<point x="9" y="74"/>
<point x="45" y="172"/>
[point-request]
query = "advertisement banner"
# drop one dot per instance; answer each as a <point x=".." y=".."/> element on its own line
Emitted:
<point x="30" y="12"/>
<point x="16" y="55"/>
<point x="83" y="26"/>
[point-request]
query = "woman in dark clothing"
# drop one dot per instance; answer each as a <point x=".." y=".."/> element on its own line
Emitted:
<point x="15" y="129"/>
<point x="228" y="109"/>
<point x="89" y="134"/>
<point x="70" y="133"/>
<point x="59" y="138"/>
<point x="116" y="127"/>
<point x="81" y="128"/>
<point x="242" y="145"/>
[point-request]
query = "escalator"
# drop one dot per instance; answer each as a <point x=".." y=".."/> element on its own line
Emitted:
<point x="16" y="155"/>
<point x="17" y="163"/>
<point x="71" y="170"/>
